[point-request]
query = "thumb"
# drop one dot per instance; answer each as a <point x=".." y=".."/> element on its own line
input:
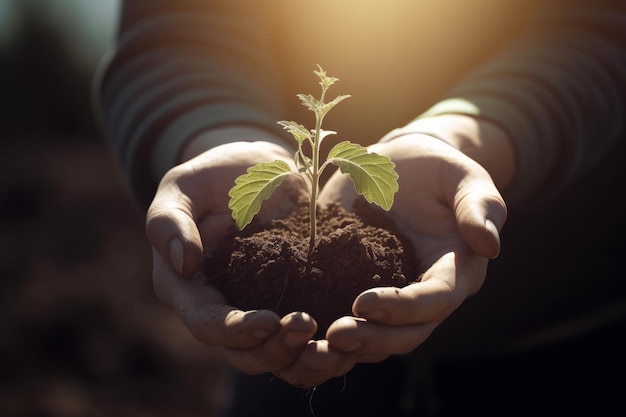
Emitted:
<point x="481" y="213"/>
<point x="172" y="231"/>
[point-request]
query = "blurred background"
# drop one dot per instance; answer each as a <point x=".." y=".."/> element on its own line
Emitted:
<point x="81" y="333"/>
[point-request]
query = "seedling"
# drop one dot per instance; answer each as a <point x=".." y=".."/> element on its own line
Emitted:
<point x="374" y="175"/>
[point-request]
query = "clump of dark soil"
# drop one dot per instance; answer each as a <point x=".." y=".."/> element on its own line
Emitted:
<point x="266" y="266"/>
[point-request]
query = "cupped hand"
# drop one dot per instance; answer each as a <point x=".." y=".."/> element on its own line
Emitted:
<point x="449" y="207"/>
<point x="188" y="216"/>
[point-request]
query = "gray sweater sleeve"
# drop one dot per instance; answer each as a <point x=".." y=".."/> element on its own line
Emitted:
<point x="560" y="94"/>
<point x="180" y="68"/>
<point x="184" y="66"/>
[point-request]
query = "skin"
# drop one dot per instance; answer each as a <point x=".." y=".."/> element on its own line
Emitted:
<point x="448" y="204"/>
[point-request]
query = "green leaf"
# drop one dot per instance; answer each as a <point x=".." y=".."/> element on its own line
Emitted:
<point x="323" y="134"/>
<point x="310" y="102"/>
<point x="252" y="188"/>
<point x="374" y="175"/>
<point x="325" y="80"/>
<point x="325" y="107"/>
<point x="299" y="132"/>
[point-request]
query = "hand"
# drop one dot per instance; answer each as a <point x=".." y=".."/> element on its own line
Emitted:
<point x="190" y="213"/>
<point x="450" y="208"/>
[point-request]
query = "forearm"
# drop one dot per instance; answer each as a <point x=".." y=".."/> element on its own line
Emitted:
<point x="220" y="136"/>
<point x="181" y="69"/>
<point x="558" y="94"/>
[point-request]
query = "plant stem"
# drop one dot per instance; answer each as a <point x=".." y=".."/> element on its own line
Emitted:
<point x="314" y="188"/>
<point x="319" y="116"/>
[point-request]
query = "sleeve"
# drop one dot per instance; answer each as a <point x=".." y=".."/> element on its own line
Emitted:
<point x="560" y="92"/>
<point x="181" y="67"/>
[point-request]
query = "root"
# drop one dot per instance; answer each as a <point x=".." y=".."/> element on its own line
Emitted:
<point x="282" y="294"/>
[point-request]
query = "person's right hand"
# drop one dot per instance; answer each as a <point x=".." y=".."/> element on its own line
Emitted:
<point x="188" y="216"/>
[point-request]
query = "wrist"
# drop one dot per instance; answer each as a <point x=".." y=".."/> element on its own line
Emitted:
<point x="227" y="134"/>
<point x="482" y="140"/>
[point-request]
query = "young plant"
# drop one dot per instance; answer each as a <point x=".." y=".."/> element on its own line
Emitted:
<point x="374" y="175"/>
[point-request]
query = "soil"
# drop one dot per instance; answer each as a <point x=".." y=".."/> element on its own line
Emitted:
<point x="267" y="267"/>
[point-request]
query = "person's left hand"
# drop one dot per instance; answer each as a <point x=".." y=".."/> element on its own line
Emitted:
<point x="190" y="207"/>
<point x="450" y="208"/>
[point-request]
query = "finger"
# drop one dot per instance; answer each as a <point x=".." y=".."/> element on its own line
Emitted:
<point x="480" y="212"/>
<point x="442" y="289"/>
<point x="175" y="236"/>
<point x="206" y="313"/>
<point x="317" y="364"/>
<point x="371" y="342"/>
<point x="171" y="228"/>
<point x="226" y="326"/>
<point x="279" y="350"/>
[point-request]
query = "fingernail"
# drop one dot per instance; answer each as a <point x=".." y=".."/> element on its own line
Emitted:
<point x="176" y="255"/>
<point x="296" y="339"/>
<point x="493" y="230"/>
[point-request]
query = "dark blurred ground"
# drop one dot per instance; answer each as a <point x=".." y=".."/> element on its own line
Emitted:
<point x="81" y="332"/>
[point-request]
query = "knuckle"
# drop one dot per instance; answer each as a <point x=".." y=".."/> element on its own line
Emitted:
<point x="157" y="221"/>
